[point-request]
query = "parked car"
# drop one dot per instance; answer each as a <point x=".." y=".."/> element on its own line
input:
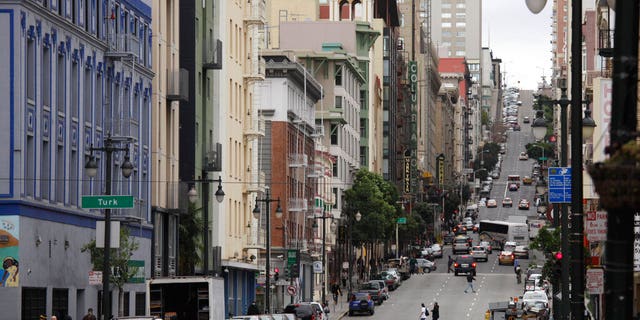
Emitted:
<point x="361" y="302"/>
<point x="464" y="264"/>
<point x="389" y="279"/>
<point x="479" y="253"/>
<point x="526" y="120"/>
<point x="426" y="265"/>
<point x="375" y="290"/>
<point x="523" y="156"/>
<point x="304" y="311"/>
<point x="385" y="289"/>
<point x="507" y="202"/>
<point x="436" y="250"/>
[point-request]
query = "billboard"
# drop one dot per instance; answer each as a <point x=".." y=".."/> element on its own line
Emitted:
<point x="9" y="249"/>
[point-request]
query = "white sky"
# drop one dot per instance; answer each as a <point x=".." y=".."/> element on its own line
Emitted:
<point x="520" y="38"/>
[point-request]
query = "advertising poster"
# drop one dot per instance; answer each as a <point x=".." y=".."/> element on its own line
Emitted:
<point x="9" y="245"/>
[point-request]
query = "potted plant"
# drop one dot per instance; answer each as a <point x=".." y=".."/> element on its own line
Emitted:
<point x="617" y="180"/>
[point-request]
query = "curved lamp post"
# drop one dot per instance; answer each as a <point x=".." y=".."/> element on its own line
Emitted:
<point x="256" y="214"/>
<point x="193" y="198"/>
<point x="111" y="145"/>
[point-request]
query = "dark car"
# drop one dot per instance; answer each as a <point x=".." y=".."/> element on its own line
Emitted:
<point x="464" y="264"/>
<point x="361" y="302"/>
<point x="303" y="311"/>
<point x="373" y="289"/>
<point x="448" y="238"/>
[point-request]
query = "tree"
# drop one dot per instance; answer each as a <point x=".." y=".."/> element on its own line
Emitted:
<point x="548" y="242"/>
<point x="190" y="244"/>
<point x="118" y="261"/>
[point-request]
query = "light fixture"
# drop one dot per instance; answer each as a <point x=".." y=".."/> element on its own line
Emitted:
<point x="358" y="216"/>
<point x="278" y="210"/>
<point x="588" y="125"/>
<point x="333" y="226"/>
<point x="192" y="194"/>
<point x="219" y="192"/>
<point x="127" y="166"/>
<point x="91" y="167"/>
<point x="536" y="6"/>
<point x="539" y="126"/>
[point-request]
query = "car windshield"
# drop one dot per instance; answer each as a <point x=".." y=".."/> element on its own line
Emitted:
<point x="535" y="295"/>
<point x="478" y="248"/>
<point x="360" y="296"/>
<point x="465" y="259"/>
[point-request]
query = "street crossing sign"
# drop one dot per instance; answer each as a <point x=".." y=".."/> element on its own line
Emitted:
<point x="559" y="184"/>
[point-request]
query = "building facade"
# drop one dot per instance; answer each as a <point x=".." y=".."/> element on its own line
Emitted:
<point x="76" y="74"/>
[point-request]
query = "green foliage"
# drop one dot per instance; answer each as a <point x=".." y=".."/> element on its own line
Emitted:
<point x="119" y="257"/>
<point x="190" y="244"/>
<point x="534" y="151"/>
<point x="375" y="199"/>
<point x="484" y="118"/>
<point x="548" y="242"/>
<point x="489" y="155"/>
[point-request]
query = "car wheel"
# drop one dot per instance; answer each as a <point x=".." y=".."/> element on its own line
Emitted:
<point x="350" y="313"/>
<point x="456" y="273"/>
<point x="372" y="311"/>
<point x="474" y="273"/>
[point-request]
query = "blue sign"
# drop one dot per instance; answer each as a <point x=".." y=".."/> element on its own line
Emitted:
<point x="559" y="185"/>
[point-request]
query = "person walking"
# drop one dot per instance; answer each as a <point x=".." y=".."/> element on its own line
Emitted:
<point x="89" y="315"/>
<point x="470" y="279"/>
<point x="449" y="264"/>
<point x="423" y="313"/>
<point x="253" y="309"/>
<point x="435" y="312"/>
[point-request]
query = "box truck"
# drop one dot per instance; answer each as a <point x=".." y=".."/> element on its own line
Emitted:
<point x="186" y="298"/>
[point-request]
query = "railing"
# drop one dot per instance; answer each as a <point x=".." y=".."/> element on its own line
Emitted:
<point x="255" y="12"/>
<point x="297" y="160"/>
<point x="297" y="204"/>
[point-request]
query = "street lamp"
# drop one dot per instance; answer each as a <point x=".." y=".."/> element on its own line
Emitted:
<point x="193" y="197"/>
<point x="256" y="213"/>
<point x="539" y="126"/>
<point x="324" y="246"/>
<point x="111" y="144"/>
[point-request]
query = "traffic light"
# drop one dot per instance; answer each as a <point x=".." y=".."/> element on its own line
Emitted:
<point x="557" y="264"/>
<point x="286" y="272"/>
<point x="276" y="274"/>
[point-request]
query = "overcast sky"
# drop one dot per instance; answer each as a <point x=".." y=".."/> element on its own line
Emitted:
<point x="520" y="38"/>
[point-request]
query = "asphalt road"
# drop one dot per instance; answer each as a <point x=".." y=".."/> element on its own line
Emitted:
<point x="493" y="282"/>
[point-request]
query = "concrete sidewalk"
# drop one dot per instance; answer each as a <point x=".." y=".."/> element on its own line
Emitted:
<point x="340" y="309"/>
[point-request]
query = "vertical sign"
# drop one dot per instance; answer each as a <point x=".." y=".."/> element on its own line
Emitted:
<point x="407" y="174"/>
<point x="440" y="164"/>
<point x="413" y="83"/>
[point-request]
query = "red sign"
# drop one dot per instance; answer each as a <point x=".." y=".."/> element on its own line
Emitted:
<point x="552" y="138"/>
<point x="595" y="226"/>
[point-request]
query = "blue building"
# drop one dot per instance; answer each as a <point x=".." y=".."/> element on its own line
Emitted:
<point x="72" y="72"/>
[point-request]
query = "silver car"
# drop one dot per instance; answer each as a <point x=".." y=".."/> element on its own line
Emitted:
<point x="479" y="253"/>
<point x="436" y="250"/>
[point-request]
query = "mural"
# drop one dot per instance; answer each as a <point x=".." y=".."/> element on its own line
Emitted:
<point x="9" y="245"/>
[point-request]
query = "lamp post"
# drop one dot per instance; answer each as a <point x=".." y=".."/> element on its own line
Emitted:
<point x="193" y="197"/>
<point x="354" y="219"/>
<point x="111" y="145"/>
<point x="324" y="252"/>
<point x="256" y="213"/>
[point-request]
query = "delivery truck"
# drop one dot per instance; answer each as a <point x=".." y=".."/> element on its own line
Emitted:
<point x="186" y="298"/>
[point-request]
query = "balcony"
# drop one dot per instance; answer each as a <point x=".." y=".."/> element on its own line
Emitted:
<point x="297" y="204"/>
<point x="298" y="160"/>
<point x="255" y="13"/>
<point x="254" y="240"/>
<point x="254" y="128"/>
<point x="212" y="55"/>
<point x="315" y="171"/>
<point x="318" y="131"/>
<point x="178" y="85"/>
<point x="256" y="181"/>
<point x="126" y="43"/>
<point x="255" y="69"/>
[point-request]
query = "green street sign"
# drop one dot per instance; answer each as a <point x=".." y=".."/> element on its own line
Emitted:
<point x="542" y="158"/>
<point x="402" y="220"/>
<point x="107" y="202"/>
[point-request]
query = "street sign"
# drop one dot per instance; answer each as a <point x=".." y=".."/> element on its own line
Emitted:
<point x="542" y="158"/>
<point x="95" y="278"/>
<point x="317" y="267"/>
<point x="402" y="220"/>
<point x="595" y="226"/>
<point x="559" y="184"/>
<point x="291" y="290"/>
<point x="595" y="281"/>
<point x="107" y="202"/>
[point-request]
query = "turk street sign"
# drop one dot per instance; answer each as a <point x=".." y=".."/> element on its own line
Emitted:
<point x="107" y="202"/>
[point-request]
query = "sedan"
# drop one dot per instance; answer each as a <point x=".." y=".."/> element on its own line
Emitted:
<point x="523" y="156"/>
<point x="521" y="252"/>
<point x="526" y="180"/>
<point x="507" y="202"/>
<point x="361" y="302"/>
<point x="436" y="250"/>
<point x="426" y="265"/>
<point x="492" y="203"/>
<point x="513" y="187"/>
<point x="479" y="253"/>
<point x="523" y="204"/>
<point x="506" y="257"/>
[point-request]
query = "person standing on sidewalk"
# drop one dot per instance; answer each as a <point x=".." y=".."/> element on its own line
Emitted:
<point x="470" y="279"/>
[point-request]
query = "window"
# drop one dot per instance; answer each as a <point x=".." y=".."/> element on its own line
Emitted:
<point x="461" y="6"/>
<point x="460" y="34"/>
<point x="338" y="102"/>
<point x="461" y="24"/>
<point x="446" y="15"/>
<point x="446" y="24"/>
<point x="334" y="134"/>
<point x="140" y="303"/>
<point x="338" y="75"/>
<point x="400" y="43"/>
<point x="461" y="15"/>
<point x="60" y="301"/>
<point x="45" y="77"/>
<point x="98" y="101"/>
<point x="34" y="302"/>
<point x="125" y="303"/>
<point x="75" y="87"/>
<point x="87" y="84"/>
<point x="31" y="71"/>
<point x="60" y="84"/>
<point x="45" y="164"/>
<point x="60" y="172"/>
<point x="30" y="182"/>
<point x="460" y="53"/>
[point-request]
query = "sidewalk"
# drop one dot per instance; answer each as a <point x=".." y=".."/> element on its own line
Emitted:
<point x="339" y="310"/>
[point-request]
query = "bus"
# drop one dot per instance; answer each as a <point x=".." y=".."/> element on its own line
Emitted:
<point x="499" y="232"/>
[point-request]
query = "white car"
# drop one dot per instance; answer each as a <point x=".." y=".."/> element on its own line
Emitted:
<point x="436" y="250"/>
<point x="535" y="296"/>
<point x="425" y="265"/>
<point x="479" y="253"/>
<point x="492" y="203"/>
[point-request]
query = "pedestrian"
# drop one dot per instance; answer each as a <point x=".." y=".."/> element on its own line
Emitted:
<point x="253" y="309"/>
<point x="424" y="312"/>
<point x="449" y="264"/>
<point x="89" y="315"/>
<point x="335" y="290"/>
<point x="470" y="279"/>
<point x="435" y="312"/>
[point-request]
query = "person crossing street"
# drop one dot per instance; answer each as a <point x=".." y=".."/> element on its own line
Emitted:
<point x="470" y="279"/>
